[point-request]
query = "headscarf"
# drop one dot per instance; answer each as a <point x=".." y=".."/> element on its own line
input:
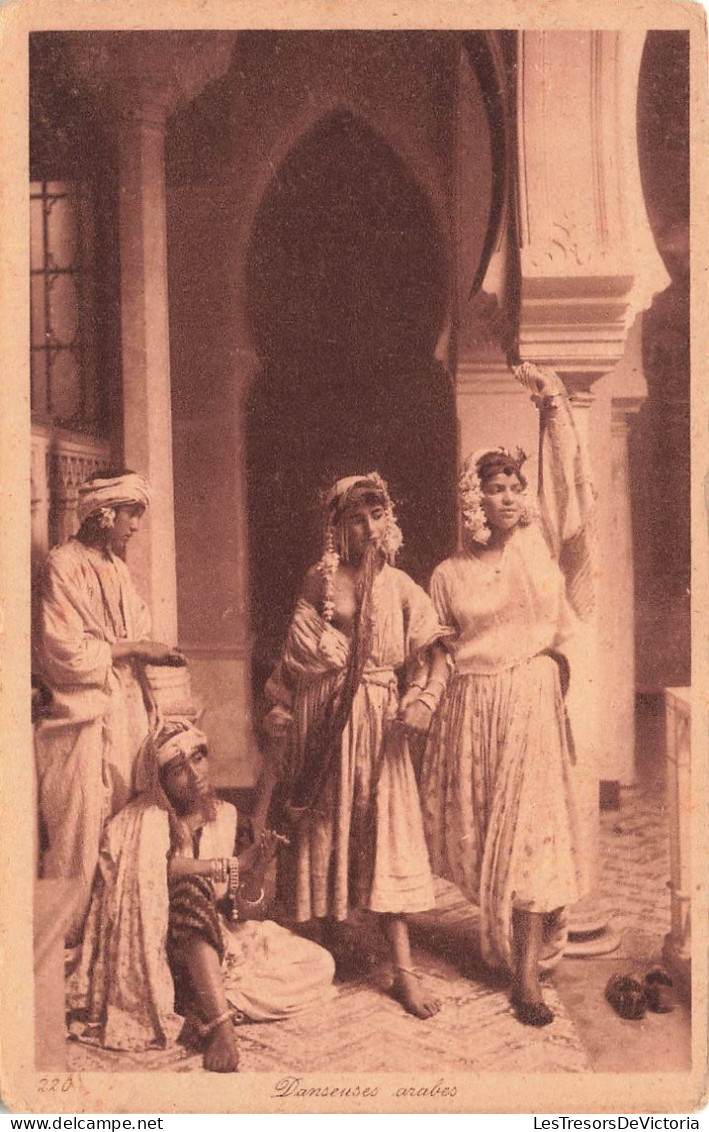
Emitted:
<point x="170" y="739"/>
<point x="120" y="491"/>
<point x="177" y="737"/>
<point x="167" y="740"/>
<point x="351" y="490"/>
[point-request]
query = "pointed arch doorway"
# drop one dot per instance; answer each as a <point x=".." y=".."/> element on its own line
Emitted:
<point x="347" y="284"/>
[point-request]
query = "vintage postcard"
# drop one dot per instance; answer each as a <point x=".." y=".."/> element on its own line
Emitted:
<point x="353" y="569"/>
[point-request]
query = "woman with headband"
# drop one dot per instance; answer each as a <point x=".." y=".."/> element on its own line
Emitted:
<point x="350" y="784"/>
<point x="178" y="945"/>
<point x="496" y="782"/>
<point x="94" y="639"/>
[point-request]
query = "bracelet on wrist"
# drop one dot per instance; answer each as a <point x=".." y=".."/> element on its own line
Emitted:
<point x="429" y="700"/>
<point x="219" y="871"/>
<point x="233" y="872"/>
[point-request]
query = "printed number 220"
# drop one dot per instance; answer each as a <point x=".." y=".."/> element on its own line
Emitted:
<point x="55" y="1084"/>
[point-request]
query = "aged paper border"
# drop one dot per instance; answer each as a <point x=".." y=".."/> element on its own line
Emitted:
<point x="254" y="1093"/>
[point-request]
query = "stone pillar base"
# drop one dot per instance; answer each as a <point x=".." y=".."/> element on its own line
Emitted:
<point x="591" y="933"/>
<point x="678" y="960"/>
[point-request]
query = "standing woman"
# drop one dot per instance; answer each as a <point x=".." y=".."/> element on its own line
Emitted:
<point x="496" y="781"/>
<point x="348" y="775"/>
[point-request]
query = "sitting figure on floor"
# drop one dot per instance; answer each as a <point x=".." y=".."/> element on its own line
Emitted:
<point x="176" y="943"/>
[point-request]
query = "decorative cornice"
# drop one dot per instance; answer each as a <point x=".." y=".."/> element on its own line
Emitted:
<point x="474" y="379"/>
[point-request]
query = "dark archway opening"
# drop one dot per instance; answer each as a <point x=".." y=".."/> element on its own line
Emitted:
<point x="347" y="288"/>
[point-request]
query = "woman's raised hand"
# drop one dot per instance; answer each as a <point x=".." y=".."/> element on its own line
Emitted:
<point x="542" y="383"/>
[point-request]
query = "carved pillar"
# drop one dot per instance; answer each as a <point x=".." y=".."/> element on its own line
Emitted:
<point x="71" y="461"/>
<point x="221" y="673"/>
<point x="147" y="417"/>
<point x="617" y="641"/>
<point x="677" y="949"/>
<point x="39" y="494"/>
<point x="587" y="263"/>
<point x="137" y="79"/>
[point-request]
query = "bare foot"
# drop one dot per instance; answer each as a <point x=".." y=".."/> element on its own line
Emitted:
<point x="407" y="990"/>
<point x="221" y="1054"/>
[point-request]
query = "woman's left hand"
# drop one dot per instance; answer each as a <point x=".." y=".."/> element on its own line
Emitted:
<point x="410" y="697"/>
<point x="415" y="718"/>
<point x="541" y="381"/>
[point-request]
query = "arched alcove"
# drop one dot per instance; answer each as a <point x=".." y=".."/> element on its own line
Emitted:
<point x="347" y="285"/>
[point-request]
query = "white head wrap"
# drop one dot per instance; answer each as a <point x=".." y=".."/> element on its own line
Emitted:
<point x="121" y="491"/>
<point x="177" y="737"/>
<point x="341" y="488"/>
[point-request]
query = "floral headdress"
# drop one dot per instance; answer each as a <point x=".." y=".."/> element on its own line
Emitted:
<point x="339" y="499"/>
<point x="470" y="490"/>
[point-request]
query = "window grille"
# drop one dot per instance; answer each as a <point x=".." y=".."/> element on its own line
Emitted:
<point x="63" y="300"/>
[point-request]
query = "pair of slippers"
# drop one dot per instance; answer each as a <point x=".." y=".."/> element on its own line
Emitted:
<point x="631" y="998"/>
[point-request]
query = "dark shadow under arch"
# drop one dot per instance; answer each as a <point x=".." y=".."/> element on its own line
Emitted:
<point x="348" y="289"/>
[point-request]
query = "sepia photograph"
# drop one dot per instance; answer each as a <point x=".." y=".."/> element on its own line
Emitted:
<point x="351" y="644"/>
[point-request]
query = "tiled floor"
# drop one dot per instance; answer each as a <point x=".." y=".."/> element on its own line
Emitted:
<point x="476" y="1028"/>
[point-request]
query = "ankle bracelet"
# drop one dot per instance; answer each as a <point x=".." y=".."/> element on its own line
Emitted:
<point x="206" y="1028"/>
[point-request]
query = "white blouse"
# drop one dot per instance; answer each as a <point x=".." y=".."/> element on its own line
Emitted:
<point x="504" y="613"/>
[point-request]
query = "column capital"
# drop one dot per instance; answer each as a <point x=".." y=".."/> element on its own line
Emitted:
<point x="145" y="76"/>
<point x="587" y="258"/>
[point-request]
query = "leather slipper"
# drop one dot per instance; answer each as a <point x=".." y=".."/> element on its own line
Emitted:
<point x="627" y="997"/>
<point x="659" y="991"/>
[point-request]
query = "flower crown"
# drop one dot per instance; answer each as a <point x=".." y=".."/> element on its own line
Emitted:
<point x="470" y="493"/>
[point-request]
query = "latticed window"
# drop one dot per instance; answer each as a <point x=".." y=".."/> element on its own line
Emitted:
<point x="63" y="305"/>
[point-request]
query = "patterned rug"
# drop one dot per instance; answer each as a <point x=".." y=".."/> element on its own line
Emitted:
<point x="475" y="1029"/>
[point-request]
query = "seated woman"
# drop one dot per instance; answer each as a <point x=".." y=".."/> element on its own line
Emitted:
<point x="175" y="942"/>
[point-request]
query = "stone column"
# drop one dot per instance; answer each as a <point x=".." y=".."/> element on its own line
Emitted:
<point x="147" y="416"/>
<point x="619" y="622"/>
<point x="587" y="264"/>
<point x="677" y="948"/>
<point x="137" y="79"/>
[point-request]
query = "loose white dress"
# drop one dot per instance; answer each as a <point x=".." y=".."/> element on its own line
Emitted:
<point x="363" y="845"/>
<point x="86" y="750"/>
<point x="497" y="790"/>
